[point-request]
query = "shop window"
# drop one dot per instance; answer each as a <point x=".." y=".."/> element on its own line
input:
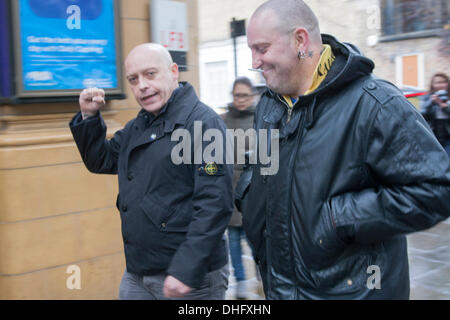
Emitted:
<point x="408" y="16"/>
<point x="216" y="92"/>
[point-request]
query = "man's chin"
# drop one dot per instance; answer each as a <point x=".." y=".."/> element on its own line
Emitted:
<point x="276" y="87"/>
<point x="272" y="84"/>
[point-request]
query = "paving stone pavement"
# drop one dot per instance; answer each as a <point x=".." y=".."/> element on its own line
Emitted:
<point x="429" y="263"/>
<point x="429" y="266"/>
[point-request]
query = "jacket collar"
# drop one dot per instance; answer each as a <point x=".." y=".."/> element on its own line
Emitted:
<point x="350" y="64"/>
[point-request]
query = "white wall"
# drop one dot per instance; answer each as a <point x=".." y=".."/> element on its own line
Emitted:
<point x="216" y="62"/>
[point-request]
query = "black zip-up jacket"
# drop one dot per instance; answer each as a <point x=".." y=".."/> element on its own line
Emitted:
<point x="359" y="168"/>
<point x="173" y="216"/>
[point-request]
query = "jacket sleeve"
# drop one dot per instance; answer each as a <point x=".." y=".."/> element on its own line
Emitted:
<point x="99" y="154"/>
<point x="413" y="180"/>
<point x="213" y="206"/>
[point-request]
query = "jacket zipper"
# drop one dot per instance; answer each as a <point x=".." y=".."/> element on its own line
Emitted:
<point x="299" y="137"/>
<point x="289" y="114"/>
<point x="289" y="109"/>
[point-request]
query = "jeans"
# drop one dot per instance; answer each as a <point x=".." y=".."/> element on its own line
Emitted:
<point x="235" y="234"/>
<point x="135" y="287"/>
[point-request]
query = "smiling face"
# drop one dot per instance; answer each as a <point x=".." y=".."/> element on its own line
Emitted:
<point x="274" y="52"/>
<point x="152" y="76"/>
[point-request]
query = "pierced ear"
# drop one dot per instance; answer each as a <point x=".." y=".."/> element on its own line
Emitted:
<point x="301" y="39"/>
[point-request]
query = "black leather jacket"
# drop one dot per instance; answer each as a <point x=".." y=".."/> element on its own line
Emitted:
<point x="358" y="169"/>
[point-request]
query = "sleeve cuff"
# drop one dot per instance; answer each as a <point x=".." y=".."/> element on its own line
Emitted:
<point x="78" y="118"/>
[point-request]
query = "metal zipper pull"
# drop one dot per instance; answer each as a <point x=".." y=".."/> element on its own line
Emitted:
<point x="289" y="114"/>
<point x="289" y="109"/>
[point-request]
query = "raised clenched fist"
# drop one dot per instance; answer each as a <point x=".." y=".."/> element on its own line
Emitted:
<point x="91" y="100"/>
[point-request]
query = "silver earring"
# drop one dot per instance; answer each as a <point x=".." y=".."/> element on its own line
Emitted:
<point x="301" y="55"/>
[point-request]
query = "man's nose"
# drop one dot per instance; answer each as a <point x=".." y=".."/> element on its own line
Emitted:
<point x="143" y="84"/>
<point x="256" y="61"/>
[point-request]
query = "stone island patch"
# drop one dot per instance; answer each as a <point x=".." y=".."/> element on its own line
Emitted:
<point x="211" y="169"/>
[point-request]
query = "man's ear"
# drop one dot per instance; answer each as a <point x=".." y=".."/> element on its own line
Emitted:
<point x="302" y="40"/>
<point x="175" y="72"/>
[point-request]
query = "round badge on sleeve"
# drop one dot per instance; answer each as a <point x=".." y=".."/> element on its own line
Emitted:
<point x="211" y="168"/>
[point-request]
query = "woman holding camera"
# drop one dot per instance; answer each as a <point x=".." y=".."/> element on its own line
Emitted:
<point x="435" y="108"/>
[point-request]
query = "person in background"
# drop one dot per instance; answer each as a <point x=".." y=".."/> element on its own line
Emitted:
<point x="239" y="116"/>
<point x="435" y="107"/>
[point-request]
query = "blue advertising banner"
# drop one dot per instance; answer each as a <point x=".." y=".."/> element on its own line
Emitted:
<point x="68" y="45"/>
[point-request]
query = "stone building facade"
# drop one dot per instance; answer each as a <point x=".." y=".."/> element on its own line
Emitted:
<point x="60" y="233"/>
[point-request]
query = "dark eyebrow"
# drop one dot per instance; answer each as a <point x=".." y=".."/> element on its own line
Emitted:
<point x="145" y="70"/>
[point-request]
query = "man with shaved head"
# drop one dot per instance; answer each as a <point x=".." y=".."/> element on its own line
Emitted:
<point x="359" y="168"/>
<point x="173" y="215"/>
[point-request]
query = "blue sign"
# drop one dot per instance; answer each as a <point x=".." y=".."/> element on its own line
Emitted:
<point x="68" y="44"/>
<point x="92" y="9"/>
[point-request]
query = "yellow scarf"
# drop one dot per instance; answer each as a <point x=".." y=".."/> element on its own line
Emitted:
<point x="326" y="60"/>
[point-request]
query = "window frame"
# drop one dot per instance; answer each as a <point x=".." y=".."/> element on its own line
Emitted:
<point x="432" y="32"/>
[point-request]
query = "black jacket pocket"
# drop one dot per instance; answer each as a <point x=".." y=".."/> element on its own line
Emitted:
<point x="164" y="218"/>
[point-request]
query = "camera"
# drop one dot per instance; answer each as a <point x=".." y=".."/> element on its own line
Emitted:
<point x="442" y="94"/>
